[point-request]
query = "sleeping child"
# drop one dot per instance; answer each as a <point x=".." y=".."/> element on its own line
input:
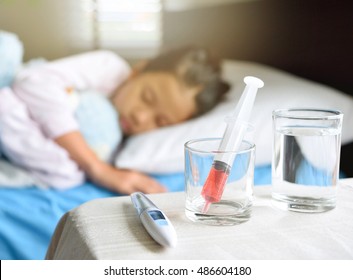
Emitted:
<point x="55" y="115"/>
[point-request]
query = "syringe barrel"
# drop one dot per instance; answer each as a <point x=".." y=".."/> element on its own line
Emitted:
<point x="214" y="186"/>
<point x="231" y="142"/>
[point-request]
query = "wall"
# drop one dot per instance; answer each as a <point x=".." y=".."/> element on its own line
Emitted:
<point x="46" y="27"/>
<point x="312" y="38"/>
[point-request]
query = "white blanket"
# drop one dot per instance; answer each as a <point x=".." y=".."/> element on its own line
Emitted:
<point x="16" y="177"/>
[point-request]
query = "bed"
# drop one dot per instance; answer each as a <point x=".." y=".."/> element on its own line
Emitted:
<point x="29" y="213"/>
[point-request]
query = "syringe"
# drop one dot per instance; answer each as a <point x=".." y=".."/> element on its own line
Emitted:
<point x="237" y="125"/>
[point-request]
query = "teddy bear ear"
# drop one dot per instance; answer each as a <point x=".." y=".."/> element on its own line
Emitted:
<point x="11" y="53"/>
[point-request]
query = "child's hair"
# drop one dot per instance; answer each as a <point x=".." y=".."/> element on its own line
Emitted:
<point x="194" y="66"/>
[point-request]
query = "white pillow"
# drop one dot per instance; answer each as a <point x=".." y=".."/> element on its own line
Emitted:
<point x="162" y="151"/>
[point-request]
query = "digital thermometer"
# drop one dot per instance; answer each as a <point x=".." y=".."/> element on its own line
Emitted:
<point x="154" y="220"/>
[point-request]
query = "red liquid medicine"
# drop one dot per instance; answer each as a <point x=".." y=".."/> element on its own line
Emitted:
<point x="214" y="186"/>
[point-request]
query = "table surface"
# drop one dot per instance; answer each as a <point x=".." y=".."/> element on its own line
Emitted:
<point x="110" y="229"/>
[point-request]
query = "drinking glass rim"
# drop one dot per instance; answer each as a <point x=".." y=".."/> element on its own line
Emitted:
<point x="246" y="150"/>
<point x="286" y="113"/>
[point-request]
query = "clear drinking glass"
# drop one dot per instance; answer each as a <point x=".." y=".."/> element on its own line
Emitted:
<point x="306" y="157"/>
<point x="235" y="203"/>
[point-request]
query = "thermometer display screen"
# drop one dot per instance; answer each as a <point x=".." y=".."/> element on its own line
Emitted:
<point x="156" y="215"/>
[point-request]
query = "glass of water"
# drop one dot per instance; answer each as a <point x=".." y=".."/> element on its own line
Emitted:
<point x="306" y="157"/>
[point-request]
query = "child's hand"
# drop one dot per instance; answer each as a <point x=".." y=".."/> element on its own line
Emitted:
<point x="103" y="174"/>
<point x="126" y="181"/>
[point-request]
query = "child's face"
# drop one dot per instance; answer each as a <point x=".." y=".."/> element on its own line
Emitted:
<point x="153" y="99"/>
